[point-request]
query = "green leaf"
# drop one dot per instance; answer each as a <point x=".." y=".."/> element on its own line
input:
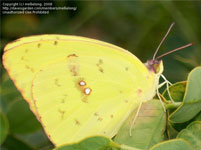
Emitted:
<point x="92" y="143"/>
<point x="37" y="139"/>
<point x="12" y="143"/>
<point x="21" y="119"/>
<point x="3" y="127"/>
<point x="198" y="117"/>
<point x="8" y="93"/>
<point x="191" y="105"/>
<point x="148" y="129"/>
<point x="192" y="134"/>
<point x="177" y="144"/>
<point x="19" y="25"/>
<point x="177" y="91"/>
<point x="171" y="132"/>
<point x="180" y="126"/>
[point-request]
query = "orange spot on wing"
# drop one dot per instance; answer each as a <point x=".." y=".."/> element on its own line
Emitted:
<point x="73" y="64"/>
<point x="29" y="68"/>
<point x="82" y="83"/>
<point x="38" y="45"/>
<point x="73" y="70"/>
<point x="62" y="112"/>
<point x="101" y="70"/>
<point x="84" y="99"/>
<point x="63" y="99"/>
<point x="32" y="70"/>
<point x="84" y="89"/>
<point x="77" y="122"/>
<point x="100" y="62"/>
<point x="26" y="66"/>
<point x="96" y="114"/>
<point x="139" y="91"/>
<point x="87" y="91"/>
<point x="126" y="101"/>
<point x="56" y="81"/>
<point x="72" y="55"/>
<point x="100" y="119"/>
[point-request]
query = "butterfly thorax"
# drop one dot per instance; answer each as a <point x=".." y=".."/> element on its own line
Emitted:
<point x="155" y="67"/>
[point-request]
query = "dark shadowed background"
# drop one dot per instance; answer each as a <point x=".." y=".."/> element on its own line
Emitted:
<point x="137" y="26"/>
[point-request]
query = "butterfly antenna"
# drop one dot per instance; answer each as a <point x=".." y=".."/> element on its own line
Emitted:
<point x="163" y="40"/>
<point x="174" y="50"/>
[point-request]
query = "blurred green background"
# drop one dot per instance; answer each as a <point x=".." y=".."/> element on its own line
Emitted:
<point x="137" y="26"/>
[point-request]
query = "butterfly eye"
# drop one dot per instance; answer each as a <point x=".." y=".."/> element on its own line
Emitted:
<point x="156" y="68"/>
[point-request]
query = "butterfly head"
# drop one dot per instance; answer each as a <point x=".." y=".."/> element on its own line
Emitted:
<point x="155" y="66"/>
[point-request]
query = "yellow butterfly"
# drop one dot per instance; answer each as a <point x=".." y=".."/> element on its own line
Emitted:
<point x="79" y="87"/>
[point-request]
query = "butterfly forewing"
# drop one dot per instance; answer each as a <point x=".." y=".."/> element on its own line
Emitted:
<point x="24" y="57"/>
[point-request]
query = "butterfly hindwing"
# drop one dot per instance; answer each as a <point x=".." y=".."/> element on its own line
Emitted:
<point x="77" y="86"/>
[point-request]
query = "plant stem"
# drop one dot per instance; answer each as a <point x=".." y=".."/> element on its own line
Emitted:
<point x="173" y="105"/>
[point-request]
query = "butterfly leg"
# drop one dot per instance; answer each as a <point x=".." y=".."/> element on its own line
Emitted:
<point x="133" y="121"/>
<point x="167" y="85"/>
<point x="165" y="79"/>
<point x="160" y="85"/>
